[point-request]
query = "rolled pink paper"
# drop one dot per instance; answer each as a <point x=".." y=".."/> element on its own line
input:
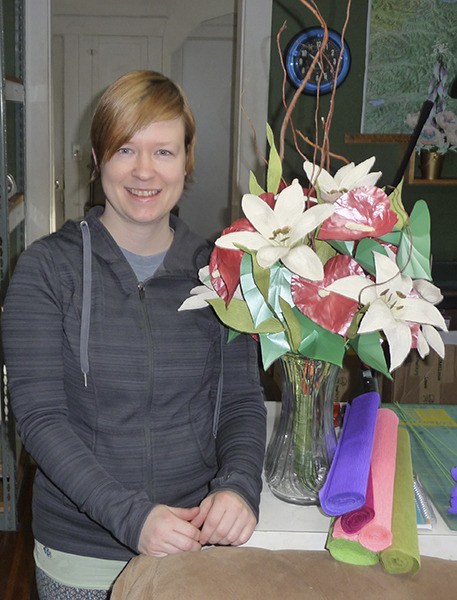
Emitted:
<point x="352" y="522"/>
<point x="377" y="535"/>
<point x="346" y="485"/>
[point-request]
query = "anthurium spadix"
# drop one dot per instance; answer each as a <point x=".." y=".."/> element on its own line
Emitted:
<point x="281" y="232"/>
<point x="347" y="178"/>
<point x="394" y="306"/>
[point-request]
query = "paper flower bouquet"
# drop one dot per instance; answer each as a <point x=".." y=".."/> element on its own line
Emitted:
<point x="315" y="272"/>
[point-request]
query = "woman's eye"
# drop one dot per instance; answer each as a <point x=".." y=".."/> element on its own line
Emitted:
<point x="124" y="150"/>
<point x="163" y="152"/>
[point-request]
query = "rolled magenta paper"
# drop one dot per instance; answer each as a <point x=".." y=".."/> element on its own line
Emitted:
<point x="352" y="522"/>
<point x="345" y="488"/>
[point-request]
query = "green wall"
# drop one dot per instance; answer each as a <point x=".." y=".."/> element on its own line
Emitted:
<point x="441" y="199"/>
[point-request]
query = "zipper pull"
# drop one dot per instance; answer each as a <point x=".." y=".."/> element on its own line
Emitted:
<point x="141" y="290"/>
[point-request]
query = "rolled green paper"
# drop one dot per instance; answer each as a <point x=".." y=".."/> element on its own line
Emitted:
<point x="349" y="551"/>
<point x="403" y="555"/>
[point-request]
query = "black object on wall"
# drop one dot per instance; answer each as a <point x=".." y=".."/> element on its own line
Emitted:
<point x="423" y="116"/>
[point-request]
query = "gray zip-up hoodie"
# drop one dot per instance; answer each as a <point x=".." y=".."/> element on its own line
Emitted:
<point x="118" y="396"/>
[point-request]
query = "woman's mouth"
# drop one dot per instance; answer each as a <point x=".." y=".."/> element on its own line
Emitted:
<point x="142" y="193"/>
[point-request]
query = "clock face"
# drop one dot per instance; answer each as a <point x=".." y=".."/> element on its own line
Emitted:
<point x="301" y="52"/>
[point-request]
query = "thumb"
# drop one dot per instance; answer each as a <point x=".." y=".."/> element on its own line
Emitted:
<point x="187" y="514"/>
<point x="204" y="510"/>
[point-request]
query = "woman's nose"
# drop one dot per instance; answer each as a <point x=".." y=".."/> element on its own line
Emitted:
<point x="144" y="166"/>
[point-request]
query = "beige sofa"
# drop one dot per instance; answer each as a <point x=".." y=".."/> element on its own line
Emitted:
<point x="228" y="573"/>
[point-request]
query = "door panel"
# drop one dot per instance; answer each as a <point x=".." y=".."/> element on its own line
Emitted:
<point x="91" y="63"/>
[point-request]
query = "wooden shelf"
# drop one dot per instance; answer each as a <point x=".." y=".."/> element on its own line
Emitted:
<point x="401" y="139"/>
<point x="441" y="181"/>
<point x="376" y="138"/>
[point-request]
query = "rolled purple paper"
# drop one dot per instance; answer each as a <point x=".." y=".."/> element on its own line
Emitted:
<point x="345" y="488"/>
<point x="353" y="521"/>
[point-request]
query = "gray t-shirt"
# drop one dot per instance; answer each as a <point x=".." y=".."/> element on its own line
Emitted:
<point x="144" y="266"/>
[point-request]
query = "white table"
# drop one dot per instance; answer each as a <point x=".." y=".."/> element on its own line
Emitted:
<point x="288" y="526"/>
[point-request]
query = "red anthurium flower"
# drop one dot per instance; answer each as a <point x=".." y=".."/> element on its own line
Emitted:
<point x="224" y="265"/>
<point x="269" y="198"/>
<point x="330" y="310"/>
<point x="359" y="213"/>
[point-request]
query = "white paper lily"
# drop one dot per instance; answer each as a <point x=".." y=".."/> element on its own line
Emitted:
<point x="201" y="293"/>
<point x="347" y="178"/>
<point x="281" y="232"/>
<point x="394" y="305"/>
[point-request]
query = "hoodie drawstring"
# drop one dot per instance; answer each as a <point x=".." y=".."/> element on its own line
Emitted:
<point x="86" y="301"/>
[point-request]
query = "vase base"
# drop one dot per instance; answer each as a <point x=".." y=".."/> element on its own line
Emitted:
<point x="289" y="496"/>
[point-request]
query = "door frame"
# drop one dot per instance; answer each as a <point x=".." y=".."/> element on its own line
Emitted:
<point x="252" y="80"/>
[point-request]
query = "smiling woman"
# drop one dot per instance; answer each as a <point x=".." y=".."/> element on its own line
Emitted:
<point x="148" y="429"/>
<point x="143" y="137"/>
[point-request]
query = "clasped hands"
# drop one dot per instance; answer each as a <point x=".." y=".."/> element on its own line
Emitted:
<point x="222" y="518"/>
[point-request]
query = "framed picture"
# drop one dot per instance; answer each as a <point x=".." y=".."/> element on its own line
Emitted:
<point x="402" y="40"/>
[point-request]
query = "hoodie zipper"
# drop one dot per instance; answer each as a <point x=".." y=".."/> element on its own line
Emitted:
<point x="150" y="488"/>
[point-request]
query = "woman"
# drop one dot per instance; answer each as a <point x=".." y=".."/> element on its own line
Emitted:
<point x="147" y="427"/>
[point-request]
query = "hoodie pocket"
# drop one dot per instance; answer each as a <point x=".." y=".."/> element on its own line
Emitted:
<point x="201" y="422"/>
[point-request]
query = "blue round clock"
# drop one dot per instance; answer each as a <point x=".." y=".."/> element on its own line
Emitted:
<point x="300" y="54"/>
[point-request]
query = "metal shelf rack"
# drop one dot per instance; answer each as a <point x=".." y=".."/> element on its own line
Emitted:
<point x="12" y="202"/>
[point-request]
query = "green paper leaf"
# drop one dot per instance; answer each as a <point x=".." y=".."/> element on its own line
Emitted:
<point x="342" y="247"/>
<point x="261" y="277"/>
<point x="274" y="172"/>
<point x="413" y="257"/>
<point x="273" y="346"/>
<point x="369" y="349"/>
<point x="318" y="342"/>
<point x="364" y="253"/>
<point x="259" y="309"/>
<point x="396" y="204"/>
<point x="254" y="187"/>
<point x="280" y="281"/>
<point x="392" y="238"/>
<point x="324" y="250"/>
<point x="232" y="335"/>
<point x="293" y="326"/>
<point x="237" y="316"/>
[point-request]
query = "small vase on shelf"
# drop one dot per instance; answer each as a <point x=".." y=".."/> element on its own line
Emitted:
<point x="303" y="442"/>
<point x="431" y="164"/>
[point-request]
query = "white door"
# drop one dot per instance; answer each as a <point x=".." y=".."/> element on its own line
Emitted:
<point x="57" y="56"/>
<point x="101" y="59"/>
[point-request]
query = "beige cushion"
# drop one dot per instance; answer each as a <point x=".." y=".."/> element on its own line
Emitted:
<point x="228" y="573"/>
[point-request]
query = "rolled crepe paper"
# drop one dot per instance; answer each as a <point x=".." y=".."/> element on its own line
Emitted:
<point x="403" y="555"/>
<point x="349" y="551"/>
<point x="346" y="485"/>
<point x="353" y="521"/>
<point x="377" y="535"/>
<point x="453" y="500"/>
<point x="338" y="532"/>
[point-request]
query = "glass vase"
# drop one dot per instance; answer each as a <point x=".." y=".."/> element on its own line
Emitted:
<point x="303" y="442"/>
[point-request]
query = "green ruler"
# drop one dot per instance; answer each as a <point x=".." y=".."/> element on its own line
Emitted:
<point x="433" y="433"/>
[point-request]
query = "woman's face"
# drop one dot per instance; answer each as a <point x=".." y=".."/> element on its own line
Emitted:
<point x="144" y="179"/>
